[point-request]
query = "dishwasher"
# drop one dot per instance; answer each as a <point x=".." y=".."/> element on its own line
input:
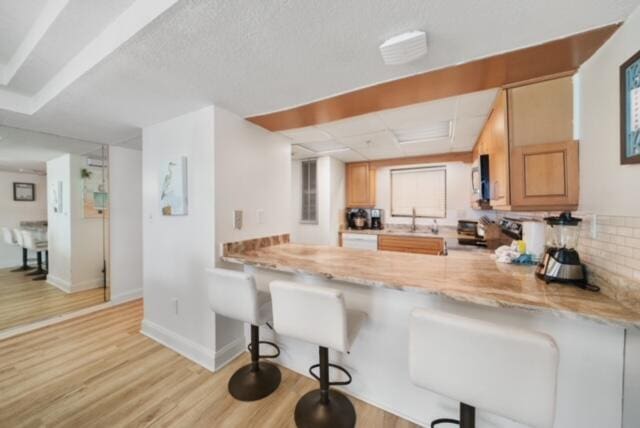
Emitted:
<point x="360" y="241"/>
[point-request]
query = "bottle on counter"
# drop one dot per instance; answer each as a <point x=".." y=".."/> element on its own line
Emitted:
<point x="434" y="227"/>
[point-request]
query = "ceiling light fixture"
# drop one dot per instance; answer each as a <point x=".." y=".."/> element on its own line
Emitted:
<point x="404" y="48"/>
<point x="433" y="132"/>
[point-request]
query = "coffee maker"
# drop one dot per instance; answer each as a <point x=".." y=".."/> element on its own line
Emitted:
<point x="357" y="218"/>
<point x="561" y="262"/>
<point x="376" y="219"/>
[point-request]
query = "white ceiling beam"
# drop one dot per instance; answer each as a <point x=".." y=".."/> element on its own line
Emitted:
<point x="42" y="24"/>
<point x="134" y="19"/>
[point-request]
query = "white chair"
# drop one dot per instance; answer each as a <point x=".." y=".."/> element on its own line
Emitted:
<point x="508" y="371"/>
<point x="30" y="242"/>
<point x="10" y="238"/>
<point x="234" y="295"/>
<point x="318" y="315"/>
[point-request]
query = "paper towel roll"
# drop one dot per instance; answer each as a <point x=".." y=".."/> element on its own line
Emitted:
<point x="533" y="235"/>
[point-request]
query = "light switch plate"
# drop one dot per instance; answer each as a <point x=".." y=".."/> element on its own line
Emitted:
<point x="260" y="215"/>
<point x="237" y="219"/>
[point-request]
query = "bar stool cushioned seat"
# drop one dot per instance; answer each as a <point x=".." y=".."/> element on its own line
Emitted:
<point x="318" y="315"/>
<point x="508" y="371"/>
<point x="234" y="295"/>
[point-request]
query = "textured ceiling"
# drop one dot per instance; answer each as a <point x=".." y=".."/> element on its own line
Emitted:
<point x="16" y="17"/>
<point x="253" y="57"/>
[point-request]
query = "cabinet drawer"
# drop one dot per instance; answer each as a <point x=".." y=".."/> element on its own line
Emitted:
<point x="411" y="244"/>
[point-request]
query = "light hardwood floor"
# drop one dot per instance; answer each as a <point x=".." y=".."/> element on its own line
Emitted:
<point x="24" y="301"/>
<point x="99" y="371"/>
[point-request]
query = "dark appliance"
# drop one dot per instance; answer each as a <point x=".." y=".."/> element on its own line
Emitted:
<point x="468" y="233"/>
<point x="480" y="180"/>
<point x="561" y="262"/>
<point x="377" y="219"/>
<point x="357" y="218"/>
<point x="512" y="227"/>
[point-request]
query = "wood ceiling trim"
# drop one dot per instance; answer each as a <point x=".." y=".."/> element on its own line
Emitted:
<point x="466" y="157"/>
<point x="556" y="57"/>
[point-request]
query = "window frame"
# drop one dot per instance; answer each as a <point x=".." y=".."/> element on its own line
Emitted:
<point x="442" y="168"/>
<point x="304" y="192"/>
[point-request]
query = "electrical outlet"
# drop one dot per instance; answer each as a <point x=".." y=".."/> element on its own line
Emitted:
<point x="260" y="215"/>
<point x="175" y="305"/>
<point x="237" y="219"/>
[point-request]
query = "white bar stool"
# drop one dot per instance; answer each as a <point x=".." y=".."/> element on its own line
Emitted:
<point x="508" y="371"/>
<point x="9" y="238"/>
<point x="30" y="242"/>
<point x="318" y="315"/>
<point x="234" y="295"/>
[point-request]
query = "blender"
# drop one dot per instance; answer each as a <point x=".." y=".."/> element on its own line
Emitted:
<point x="561" y="262"/>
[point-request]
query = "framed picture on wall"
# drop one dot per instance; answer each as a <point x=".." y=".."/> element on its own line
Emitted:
<point x="24" y="192"/>
<point x="630" y="110"/>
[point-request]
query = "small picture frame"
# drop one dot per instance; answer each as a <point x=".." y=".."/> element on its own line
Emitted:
<point x="24" y="192"/>
<point x="630" y="110"/>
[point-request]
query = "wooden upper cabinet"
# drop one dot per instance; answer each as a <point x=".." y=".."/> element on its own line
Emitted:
<point x="497" y="146"/>
<point x="361" y="185"/>
<point x="533" y="159"/>
<point x="541" y="113"/>
<point x="545" y="176"/>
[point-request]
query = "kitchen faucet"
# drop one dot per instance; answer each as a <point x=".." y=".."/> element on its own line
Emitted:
<point x="413" y="219"/>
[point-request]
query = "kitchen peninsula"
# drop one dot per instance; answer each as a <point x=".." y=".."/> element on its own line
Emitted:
<point x="388" y="285"/>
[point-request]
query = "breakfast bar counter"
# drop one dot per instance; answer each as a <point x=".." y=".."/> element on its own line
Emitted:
<point x="590" y="329"/>
<point x="467" y="276"/>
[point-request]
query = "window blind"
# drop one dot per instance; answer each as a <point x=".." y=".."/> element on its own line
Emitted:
<point x="424" y="189"/>
<point x="309" y="192"/>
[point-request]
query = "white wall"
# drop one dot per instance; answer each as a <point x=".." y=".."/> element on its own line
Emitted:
<point x="252" y="174"/>
<point x="76" y="244"/>
<point x="604" y="183"/>
<point x="125" y="208"/>
<point x="458" y="195"/>
<point x="13" y="212"/>
<point x="87" y="234"/>
<point x="59" y="229"/>
<point x="331" y="203"/>
<point x="178" y="249"/>
<point x="232" y="164"/>
<point x="606" y="187"/>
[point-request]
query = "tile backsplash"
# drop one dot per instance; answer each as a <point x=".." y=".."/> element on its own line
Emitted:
<point x="611" y="252"/>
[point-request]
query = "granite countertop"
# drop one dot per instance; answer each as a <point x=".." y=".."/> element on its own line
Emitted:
<point x="464" y="276"/>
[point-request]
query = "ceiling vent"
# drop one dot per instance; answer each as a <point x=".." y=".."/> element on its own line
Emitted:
<point x="404" y="48"/>
<point x="434" y="132"/>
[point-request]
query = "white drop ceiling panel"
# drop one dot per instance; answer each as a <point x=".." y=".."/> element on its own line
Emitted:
<point x="477" y="103"/>
<point x="377" y="140"/>
<point x="469" y="125"/>
<point x="419" y="115"/>
<point x="309" y="134"/>
<point x="322" y="146"/>
<point x="299" y="152"/>
<point x="428" y="148"/>
<point x="349" y="156"/>
<point x="357" y="125"/>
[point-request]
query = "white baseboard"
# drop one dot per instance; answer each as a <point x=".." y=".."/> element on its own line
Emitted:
<point x="69" y="287"/>
<point x="229" y="352"/>
<point x="126" y="296"/>
<point x="187" y="348"/>
<point x="87" y="284"/>
<point x="59" y="283"/>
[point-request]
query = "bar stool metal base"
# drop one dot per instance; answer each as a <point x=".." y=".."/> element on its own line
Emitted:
<point x="25" y="263"/>
<point x="338" y="412"/>
<point x="467" y="418"/>
<point x="251" y="385"/>
<point x="256" y="380"/>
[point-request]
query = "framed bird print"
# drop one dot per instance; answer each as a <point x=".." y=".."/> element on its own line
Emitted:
<point x="630" y="110"/>
<point x="173" y="187"/>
